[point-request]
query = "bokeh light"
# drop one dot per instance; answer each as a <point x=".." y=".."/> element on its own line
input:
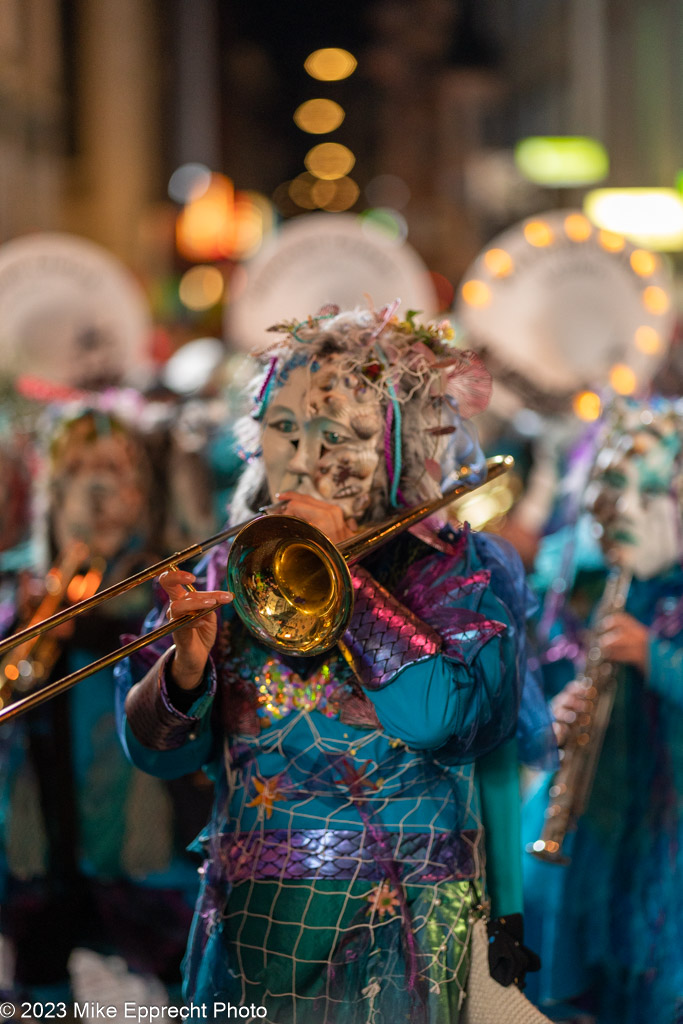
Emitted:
<point x="330" y="64"/>
<point x="248" y="227"/>
<point x="476" y="293"/>
<point x="611" y="241"/>
<point x="300" y="189"/>
<point x="190" y="181"/>
<point x="318" y="116"/>
<point x="538" y="233"/>
<point x="335" y="196"/>
<point x="587" y="406"/>
<point x="577" y="227"/>
<point x="193" y="366"/>
<point x="282" y="201"/>
<point x="329" y="160"/>
<point x="201" y="287"/>
<point x="651" y="217"/>
<point x="644" y="263"/>
<point x="265" y="208"/>
<point x="205" y="228"/>
<point x="656" y="300"/>
<point x="499" y="262"/>
<point x="648" y="340"/>
<point x="390" y="223"/>
<point x="567" y="161"/>
<point x="622" y="379"/>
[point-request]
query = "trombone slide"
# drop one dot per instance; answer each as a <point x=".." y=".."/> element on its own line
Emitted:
<point x="306" y="557"/>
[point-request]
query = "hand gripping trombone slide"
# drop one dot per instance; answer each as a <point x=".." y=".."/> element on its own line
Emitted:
<point x="291" y="585"/>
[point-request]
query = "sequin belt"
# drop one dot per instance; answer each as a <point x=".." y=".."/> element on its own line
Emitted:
<point x="421" y="857"/>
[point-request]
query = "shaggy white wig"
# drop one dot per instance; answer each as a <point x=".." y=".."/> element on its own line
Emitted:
<point x="426" y="387"/>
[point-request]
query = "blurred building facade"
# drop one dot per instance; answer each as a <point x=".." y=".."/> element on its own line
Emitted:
<point x="100" y="101"/>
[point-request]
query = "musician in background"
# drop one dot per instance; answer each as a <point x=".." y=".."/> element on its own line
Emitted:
<point x="344" y="855"/>
<point x="608" y="925"/>
<point x="89" y="849"/>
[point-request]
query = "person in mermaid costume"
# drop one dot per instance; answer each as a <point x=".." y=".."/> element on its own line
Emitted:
<point x="344" y="857"/>
<point x="608" y="924"/>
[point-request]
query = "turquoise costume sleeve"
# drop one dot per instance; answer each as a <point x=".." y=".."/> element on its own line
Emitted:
<point x="439" y="657"/>
<point x="665" y="668"/>
<point x="431" y="701"/>
<point x="498" y="779"/>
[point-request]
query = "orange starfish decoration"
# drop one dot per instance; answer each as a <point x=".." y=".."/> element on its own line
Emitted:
<point x="383" y="899"/>
<point x="266" y="794"/>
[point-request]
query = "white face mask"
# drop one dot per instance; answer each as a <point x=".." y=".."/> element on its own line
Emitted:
<point x="653" y="524"/>
<point x="321" y="434"/>
<point x="641" y="527"/>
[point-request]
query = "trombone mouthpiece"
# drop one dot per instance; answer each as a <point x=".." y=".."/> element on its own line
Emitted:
<point x="275" y="506"/>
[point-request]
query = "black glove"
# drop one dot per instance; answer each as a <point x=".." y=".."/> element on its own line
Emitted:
<point x="509" y="958"/>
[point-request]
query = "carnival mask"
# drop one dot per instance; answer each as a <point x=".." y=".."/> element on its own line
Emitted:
<point x="632" y="499"/>
<point x="98" y="495"/>
<point x="321" y="436"/>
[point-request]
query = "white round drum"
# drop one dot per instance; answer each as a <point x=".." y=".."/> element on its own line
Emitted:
<point x="557" y="306"/>
<point x="71" y="314"/>
<point x="322" y="258"/>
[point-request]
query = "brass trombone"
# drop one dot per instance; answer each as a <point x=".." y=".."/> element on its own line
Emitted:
<point x="74" y="576"/>
<point x="291" y="585"/>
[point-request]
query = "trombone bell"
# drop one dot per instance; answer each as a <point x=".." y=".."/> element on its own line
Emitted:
<point x="291" y="585"/>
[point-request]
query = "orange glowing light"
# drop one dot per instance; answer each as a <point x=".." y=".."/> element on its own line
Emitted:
<point x="300" y="190"/>
<point x="611" y="241"/>
<point x="538" y="233"/>
<point x="282" y="200"/>
<point x="265" y="208"/>
<point x="335" y="196"/>
<point x="656" y="300"/>
<point x="587" y="406"/>
<point x="499" y="262"/>
<point x="476" y="293"/>
<point x="11" y="672"/>
<point x="318" y="116"/>
<point x="83" y="586"/>
<point x="248" y="227"/>
<point x="623" y="379"/>
<point x="648" y="340"/>
<point x="644" y="263"/>
<point x="577" y="227"/>
<point x="205" y="228"/>
<point x="330" y="64"/>
<point x="323" y="192"/>
<point x="201" y="287"/>
<point x="329" y="160"/>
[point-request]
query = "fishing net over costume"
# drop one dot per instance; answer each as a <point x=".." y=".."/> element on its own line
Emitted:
<point x="343" y="860"/>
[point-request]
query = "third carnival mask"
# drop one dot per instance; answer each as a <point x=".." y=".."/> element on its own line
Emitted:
<point x="631" y="497"/>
